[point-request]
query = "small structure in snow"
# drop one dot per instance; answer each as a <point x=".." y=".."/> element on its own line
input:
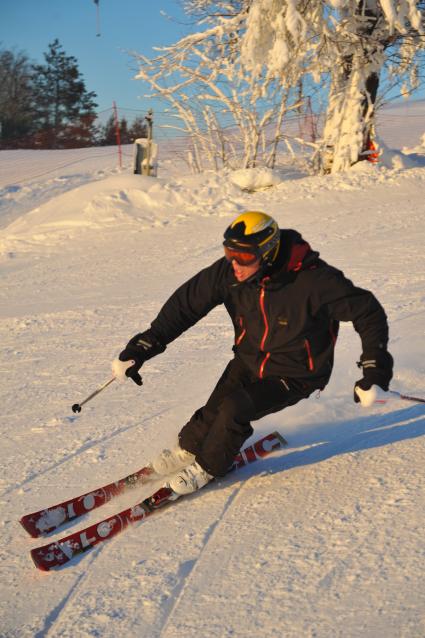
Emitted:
<point x="145" y="157"/>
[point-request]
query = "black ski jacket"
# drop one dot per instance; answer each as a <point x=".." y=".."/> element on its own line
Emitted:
<point x="286" y="319"/>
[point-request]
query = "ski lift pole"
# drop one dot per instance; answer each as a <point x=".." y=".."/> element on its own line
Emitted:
<point x="97" y="18"/>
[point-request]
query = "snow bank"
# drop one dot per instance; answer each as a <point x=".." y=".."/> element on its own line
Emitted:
<point x="419" y="148"/>
<point x="255" y="179"/>
<point x="393" y="158"/>
<point x="137" y="203"/>
<point x="24" y="166"/>
<point x="131" y="201"/>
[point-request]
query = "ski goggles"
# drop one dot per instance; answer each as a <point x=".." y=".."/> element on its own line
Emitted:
<point x="242" y="257"/>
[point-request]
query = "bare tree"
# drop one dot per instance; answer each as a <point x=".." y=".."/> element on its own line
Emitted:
<point x="230" y="119"/>
<point x="15" y="97"/>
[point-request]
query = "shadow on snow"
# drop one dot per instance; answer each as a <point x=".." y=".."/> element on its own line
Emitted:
<point x="323" y="441"/>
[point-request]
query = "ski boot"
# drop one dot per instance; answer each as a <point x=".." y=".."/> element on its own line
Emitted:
<point x="170" y="461"/>
<point x="189" y="479"/>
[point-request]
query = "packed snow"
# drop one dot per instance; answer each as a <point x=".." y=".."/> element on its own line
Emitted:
<point x="324" y="538"/>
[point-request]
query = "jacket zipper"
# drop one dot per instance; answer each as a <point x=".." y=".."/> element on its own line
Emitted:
<point x="263" y="364"/>
<point x="309" y="355"/>
<point x="266" y="332"/>
<point x="243" y="333"/>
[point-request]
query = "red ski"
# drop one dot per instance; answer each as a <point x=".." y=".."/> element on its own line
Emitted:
<point x="44" y="521"/>
<point x="57" y="553"/>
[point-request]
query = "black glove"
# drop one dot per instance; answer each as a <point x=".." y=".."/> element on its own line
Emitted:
<point x="140" y="348"/>
<point x="377" y="370"/>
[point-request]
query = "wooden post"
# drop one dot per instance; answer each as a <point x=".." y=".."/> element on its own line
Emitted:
<point x="117" y="134"/>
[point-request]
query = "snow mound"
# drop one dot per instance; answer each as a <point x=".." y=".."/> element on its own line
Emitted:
<point x="254" y="179"/>
<point x="91" y="206"/>
<point x="133" y="203"/>
<point x="118" y="202"/>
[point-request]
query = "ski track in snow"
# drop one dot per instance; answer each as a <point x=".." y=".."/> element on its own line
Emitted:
<point x="188" y="569"/>
<point x="74" y="602"/>
<point x="322" y="540"/>
<point x="54" y="618"/>
<point x="340" y="558"/>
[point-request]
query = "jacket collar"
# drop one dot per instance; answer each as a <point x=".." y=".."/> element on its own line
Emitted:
<point x="295" y="254"/>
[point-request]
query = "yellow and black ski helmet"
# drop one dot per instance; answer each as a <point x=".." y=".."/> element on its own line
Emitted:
<point x="254" y="234"/>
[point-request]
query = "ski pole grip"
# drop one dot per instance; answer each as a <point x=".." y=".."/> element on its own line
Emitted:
<point x="374" y="395"/>
<point x="119" y="368"/>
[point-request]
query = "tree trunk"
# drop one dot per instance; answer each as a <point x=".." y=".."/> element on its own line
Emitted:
<point x="352" y="98"/>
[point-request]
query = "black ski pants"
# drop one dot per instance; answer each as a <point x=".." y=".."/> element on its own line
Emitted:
<point x="217" y="431"/>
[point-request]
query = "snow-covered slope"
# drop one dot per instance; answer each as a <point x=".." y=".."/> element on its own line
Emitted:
<point x="401" y="124"/>
<point x="323" y="539"/>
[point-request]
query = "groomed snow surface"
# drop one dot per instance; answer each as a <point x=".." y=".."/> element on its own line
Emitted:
<point x="323" y="539"/>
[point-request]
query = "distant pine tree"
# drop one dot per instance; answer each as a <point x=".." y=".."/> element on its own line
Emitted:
<point x="124" y="134"/>
<point x="108" y="133"/>
<point x="65" y="110"/>
<point x="138" y="129"/>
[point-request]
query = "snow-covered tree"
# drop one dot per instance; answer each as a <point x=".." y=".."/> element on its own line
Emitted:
<point x="252" y="54"/>
<point x="345" y="42"/>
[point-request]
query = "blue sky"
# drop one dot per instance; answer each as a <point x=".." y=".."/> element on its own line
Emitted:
<point x="105" y="62"/>
<point x="107" y="68"/>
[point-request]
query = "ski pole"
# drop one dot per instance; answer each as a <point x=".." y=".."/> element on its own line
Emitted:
<point x="77" y="406"/>
<point x="405" y="397"/>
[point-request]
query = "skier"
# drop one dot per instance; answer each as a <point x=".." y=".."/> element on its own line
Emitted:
<point x="285" y="304"/>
